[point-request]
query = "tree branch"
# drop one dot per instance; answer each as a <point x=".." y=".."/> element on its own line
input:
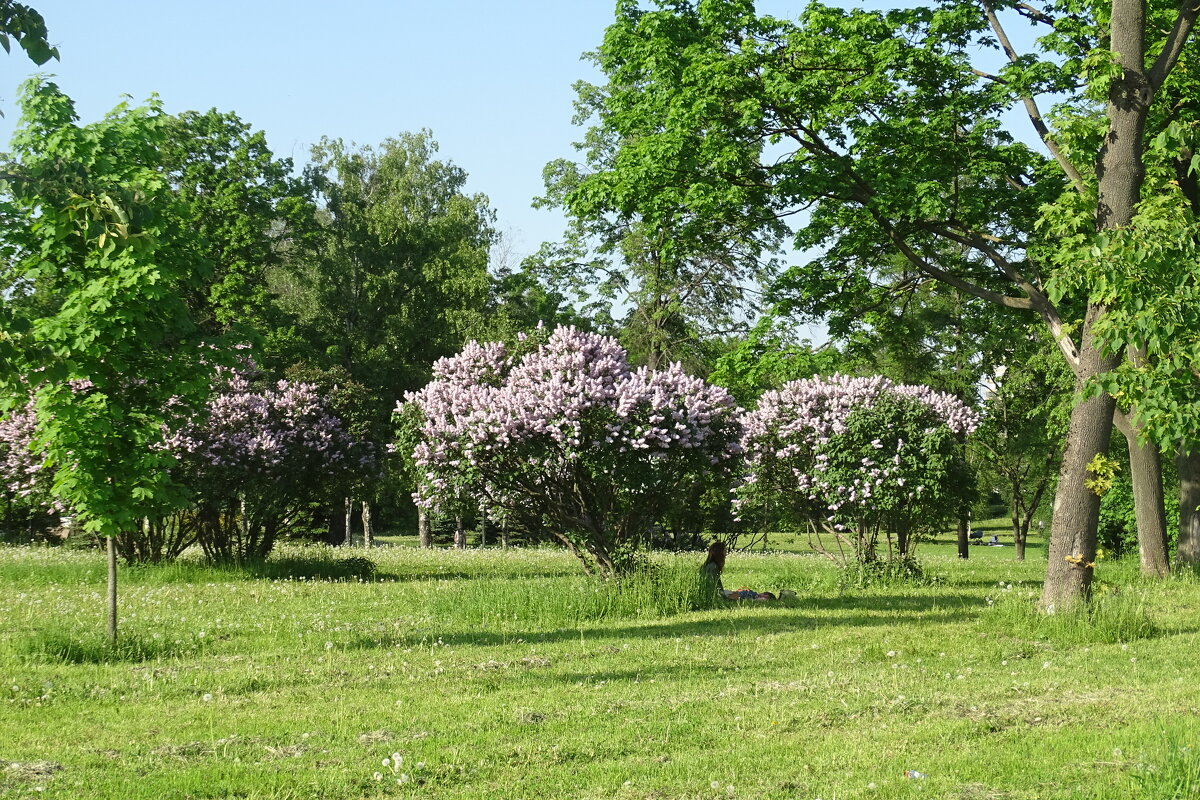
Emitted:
<point x="1031" y="107"/>
<point x="1176" y="39"/>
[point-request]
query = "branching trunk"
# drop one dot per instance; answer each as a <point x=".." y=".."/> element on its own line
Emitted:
<point x="111" y="548"/>
<point x="1072" y="551"/>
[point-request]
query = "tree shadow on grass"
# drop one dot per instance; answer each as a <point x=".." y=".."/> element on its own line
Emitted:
<point x="764" y="621"/>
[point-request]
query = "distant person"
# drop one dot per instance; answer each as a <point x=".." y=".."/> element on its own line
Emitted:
<point x="994" y="541"/>
<point x="714" y="565"/>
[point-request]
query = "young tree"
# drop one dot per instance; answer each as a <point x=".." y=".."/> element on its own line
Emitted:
<point x="883" y="128"/>
<point x="565" y="436"/>
<point x="110" y="351"/>
<point x="1020" y="438"/>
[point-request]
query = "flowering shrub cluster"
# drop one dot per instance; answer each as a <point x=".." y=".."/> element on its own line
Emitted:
<point x="564" y="436"/>
<point x="854" y="457"/>
<point x="24" y="479"/>
<point x="257" y="459"/>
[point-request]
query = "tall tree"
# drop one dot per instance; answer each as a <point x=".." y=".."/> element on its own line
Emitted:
<point x="881" y="127"/>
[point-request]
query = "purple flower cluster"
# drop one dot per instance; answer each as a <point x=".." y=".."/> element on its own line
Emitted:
<point x="21" y="467"/>
<point x="273" y="434"/>
<point x="527" y="428"/>
<point x="797" y="444"/>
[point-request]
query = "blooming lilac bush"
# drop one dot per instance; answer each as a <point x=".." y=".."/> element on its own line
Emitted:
<point x="257" y="459"/>
<point x="854" y="458"/>
<point x="564" y="436"/>
<point x="25" y="481"/>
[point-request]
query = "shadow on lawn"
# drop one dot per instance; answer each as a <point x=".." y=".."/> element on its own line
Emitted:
<point x="761" y="621"/>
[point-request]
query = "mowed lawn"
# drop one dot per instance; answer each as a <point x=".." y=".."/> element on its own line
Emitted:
<point x="504" y="674"/>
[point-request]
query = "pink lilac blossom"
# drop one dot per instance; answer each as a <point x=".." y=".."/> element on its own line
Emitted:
<point x="790" y="433"/>
<point x="567" y="430"/>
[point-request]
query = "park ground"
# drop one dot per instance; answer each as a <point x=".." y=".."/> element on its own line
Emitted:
<point x="505" y="674"/>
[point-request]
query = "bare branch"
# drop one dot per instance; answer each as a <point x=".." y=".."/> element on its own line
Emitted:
<point x="1031" y="107"/>
<point x="1176" y="39"/>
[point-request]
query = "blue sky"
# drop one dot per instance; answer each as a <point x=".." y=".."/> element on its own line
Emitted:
<point x="492" y="80"/>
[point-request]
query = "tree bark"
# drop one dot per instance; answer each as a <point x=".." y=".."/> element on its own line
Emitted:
<point x="349" y="540"/>
<point x="423" y="536"/>
<point x="368" y="529"/>
<point x="460" y="533"/>
<point x="504" y="537"/>
<point x="1145" y="471"/>
<point x="964" y="530"/>
<point x="1187" y="552"/>
<point x="482" y="525"/>
<point x="111" y="547"/>
<point x="1120" y="173"/>
<point x="1072" y="550"/>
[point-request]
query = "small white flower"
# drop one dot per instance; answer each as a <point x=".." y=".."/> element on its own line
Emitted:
<point x="329" y="645"/>
<point x="715" y="784"/>
<point x="207" y="697"/>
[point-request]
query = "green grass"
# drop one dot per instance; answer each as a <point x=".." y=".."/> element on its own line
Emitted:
<point x="505" y="674"/>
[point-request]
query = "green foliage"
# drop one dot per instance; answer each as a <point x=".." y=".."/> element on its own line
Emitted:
<point x="767" y="357"/>
<point x="20" y="22"/>
<point x="1102" y="470"/>
<point x="109" y="350"/>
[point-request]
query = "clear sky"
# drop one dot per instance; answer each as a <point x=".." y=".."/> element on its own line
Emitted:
<point x="491" y="79"/>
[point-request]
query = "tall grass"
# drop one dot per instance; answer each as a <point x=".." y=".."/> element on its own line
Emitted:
<point x="664" y="588"/>
<point x="1110" y="618"/>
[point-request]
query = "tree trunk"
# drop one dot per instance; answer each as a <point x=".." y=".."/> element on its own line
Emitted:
<point x="1120" y="174"/>
<point x="368" y="529"/>
<point x="423" y="536"/>
<point x="1187" y="551"/>
<point x="349" y="539"/>
<point x="482" y="524"/>
<point x="1145" y="471"/>
<point x="1014" y="507"/>
<point x="1072" y="550"/>
<point x="504" y="537"/>
<point x="964" y="530"/>
<point x="111" y="547"/>
<point x="460" y="533"/>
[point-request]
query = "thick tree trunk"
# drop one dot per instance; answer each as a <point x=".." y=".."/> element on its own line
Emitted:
<point x="423" y="536"/>
<point x="504" y="537"/>
<point x="460" y="533"/>
<point x="1072" y="550"/>
<point x="111" y="547"/>
<point x="1187" y="553"/>
<point x="1120" y="174"/>
<point x="368" y="527"/>
<point x="349" y="540"/>
<point x="1145" y="470"/>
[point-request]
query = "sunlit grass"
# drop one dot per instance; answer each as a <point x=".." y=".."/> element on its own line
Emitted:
<point x="506" y="673"/>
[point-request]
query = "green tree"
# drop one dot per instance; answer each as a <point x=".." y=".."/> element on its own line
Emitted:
<point x="881" y="127"/>
<point x="390" y="274"/>
<point x="113" y="360"/>
<point x="242" y="205"/>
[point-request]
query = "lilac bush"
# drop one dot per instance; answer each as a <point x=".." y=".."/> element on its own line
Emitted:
<point x="24" y="478"/>
<point x="852" y="459"/>
<point x="564" y="436"/>
<point x="258" y="458"/>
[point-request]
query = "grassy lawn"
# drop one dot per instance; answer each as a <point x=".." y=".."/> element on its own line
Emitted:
<point x="503" y="674"/>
